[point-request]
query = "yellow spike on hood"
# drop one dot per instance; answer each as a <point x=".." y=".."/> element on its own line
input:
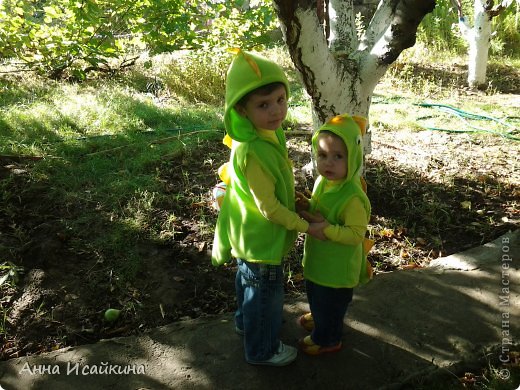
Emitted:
<point x="247" y="57"/>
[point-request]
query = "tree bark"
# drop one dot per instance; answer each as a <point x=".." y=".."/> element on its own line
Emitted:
<point x="340" y="74"/>
<point x="479" y="38"/>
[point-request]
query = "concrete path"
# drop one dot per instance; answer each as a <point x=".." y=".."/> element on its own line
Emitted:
<point x="402" y="325"/>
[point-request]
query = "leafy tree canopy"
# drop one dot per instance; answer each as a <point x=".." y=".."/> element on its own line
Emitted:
<point x="73" y="37"/>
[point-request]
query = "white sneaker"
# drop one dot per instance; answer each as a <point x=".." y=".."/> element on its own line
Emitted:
<point x="284" y="356"/>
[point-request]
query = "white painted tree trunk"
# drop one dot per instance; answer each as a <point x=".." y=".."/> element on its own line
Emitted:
<point x="341" y="91"/>
<point x="340" y="74"/>
<point x="346" y="77"/>
<point x="478" y="38"/>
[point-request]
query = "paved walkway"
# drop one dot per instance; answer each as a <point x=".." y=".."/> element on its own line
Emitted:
<point x="401" y="325"/>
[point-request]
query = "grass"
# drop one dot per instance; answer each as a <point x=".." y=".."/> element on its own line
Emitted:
<point x="418" y="79"/>
<point x="100" y="149"/>
<point x="9" y="277"/>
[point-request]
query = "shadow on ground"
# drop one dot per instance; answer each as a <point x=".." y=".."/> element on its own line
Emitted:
<point x="402" y="328"/>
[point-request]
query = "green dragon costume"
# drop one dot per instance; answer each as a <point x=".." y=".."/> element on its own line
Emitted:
<point x="330" y="263"/>
<point x="241" y="230"/>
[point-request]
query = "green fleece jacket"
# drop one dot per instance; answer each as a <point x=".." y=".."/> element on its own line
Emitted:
<point x="241" y="230"/>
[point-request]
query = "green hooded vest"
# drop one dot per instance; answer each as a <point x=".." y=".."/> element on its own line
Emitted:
<point x="329" y="263"/>
<point x="241" y="230"/>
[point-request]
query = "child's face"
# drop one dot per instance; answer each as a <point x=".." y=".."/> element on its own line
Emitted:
<point x="331" y="157"/>
<point x="266" y="111"/>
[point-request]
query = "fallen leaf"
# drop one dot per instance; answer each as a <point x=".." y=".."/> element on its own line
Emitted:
<point x="386" y="232"/>
<point x="410" y="266"/>
<point x="297" y="277"/>
<point x="466" y="204"/>
<point x="421" y="241"/>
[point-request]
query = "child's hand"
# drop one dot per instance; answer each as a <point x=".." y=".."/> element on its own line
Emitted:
<point x="316" y="229"/>
<point x="302" y="203"/>
<point x="317" y="223"/>
<point x="310" y="217"/>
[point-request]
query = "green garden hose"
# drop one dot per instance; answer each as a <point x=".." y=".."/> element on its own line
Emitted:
<point x="466" y="117"/>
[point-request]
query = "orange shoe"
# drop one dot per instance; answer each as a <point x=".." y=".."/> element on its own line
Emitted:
<point x="307" y="346"/>
<point x="306" y="322"/>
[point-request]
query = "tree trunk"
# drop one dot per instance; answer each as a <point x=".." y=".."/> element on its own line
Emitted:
<point x="479" y="47"/>
<point x="340" y="73"/>
<point x="479" y="39"/>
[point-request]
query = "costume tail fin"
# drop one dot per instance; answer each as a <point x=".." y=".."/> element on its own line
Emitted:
<point x="367" y="272"/>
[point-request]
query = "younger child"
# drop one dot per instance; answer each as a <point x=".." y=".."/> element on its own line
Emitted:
<point x="332" y="267"/>
<point x="257" y="223"/>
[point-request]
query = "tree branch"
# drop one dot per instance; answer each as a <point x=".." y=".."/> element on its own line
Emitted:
<point x="405" y="18"/>
<point x="289" y="13"/>
<point x="342" y="24"/>
<point x="340" y="80"/>
<point x="495" y="11"/>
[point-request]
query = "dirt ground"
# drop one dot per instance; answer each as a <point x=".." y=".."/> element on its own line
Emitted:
<point x="432" y="193"/>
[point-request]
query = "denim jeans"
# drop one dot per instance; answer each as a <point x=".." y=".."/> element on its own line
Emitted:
<point x="260" y="293"/>
<point x="328" y="307"/>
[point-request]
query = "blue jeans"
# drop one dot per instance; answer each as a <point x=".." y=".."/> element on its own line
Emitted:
<point x="328" y="307"/>
<point x="260" y="293"/>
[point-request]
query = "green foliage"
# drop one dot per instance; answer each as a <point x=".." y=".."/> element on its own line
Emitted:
<point x="168" y="25"/>
<point x="237" y="26"/>
<point x="72" y="38"/>
<point x="439" y="29"/>
<point x="172" y="25"/>
<point x="198" y="76"/>
<point x="57" y="35"/>
<point x="65" y="38"/>
<point x="507" y="27"/>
